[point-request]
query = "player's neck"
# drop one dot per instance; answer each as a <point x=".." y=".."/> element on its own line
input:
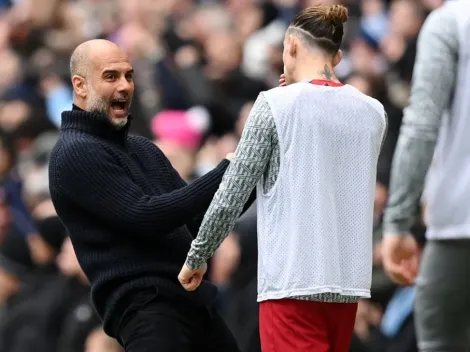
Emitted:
<point x="318" y="70"/>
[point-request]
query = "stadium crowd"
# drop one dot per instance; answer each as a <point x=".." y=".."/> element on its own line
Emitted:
<point x="199" y="66"/>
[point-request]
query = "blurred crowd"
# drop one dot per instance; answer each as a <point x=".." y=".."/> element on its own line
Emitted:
<point x="199" y="66"/>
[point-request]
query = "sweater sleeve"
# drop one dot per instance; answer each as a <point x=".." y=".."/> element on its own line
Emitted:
<point x="93" y="180"/>
<point x="195" y="223"/>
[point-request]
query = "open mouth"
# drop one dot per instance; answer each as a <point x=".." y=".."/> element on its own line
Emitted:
<point x="119" y="105"/>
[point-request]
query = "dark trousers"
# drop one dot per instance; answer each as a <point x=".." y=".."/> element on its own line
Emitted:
<point x="157" y="324"/>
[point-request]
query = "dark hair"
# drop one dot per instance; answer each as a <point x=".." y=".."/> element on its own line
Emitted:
<point x="324" y="23"/>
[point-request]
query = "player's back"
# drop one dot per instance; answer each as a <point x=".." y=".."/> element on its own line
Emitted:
<point x="315" y="224"/>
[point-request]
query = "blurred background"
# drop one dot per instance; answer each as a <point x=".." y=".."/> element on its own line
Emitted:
<point x="199" y="66"/>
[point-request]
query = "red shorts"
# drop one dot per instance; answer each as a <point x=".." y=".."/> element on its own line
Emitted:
<point x="296" y="326"/>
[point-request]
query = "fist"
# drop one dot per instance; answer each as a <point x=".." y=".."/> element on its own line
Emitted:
<point x="190" y="279"/>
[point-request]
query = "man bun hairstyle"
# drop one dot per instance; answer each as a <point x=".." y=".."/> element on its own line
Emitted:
<point x="322" y="26"/>
<point x="336" y="14"/>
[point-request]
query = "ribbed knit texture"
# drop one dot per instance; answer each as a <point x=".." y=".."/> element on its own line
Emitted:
<point x="130" y="216"/>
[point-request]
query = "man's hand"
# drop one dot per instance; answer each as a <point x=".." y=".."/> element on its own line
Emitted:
<point x="282" y="81"/>
<point x="368" y="315"/>
<point x="191" y="279"/>
<point x="400" y="258"/>
<point x="230" y="156"/>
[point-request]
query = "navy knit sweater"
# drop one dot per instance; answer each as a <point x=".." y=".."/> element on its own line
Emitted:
<point x="130" y="216"/>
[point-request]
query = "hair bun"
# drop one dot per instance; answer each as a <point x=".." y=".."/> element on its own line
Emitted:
<point x="337" y="14"/>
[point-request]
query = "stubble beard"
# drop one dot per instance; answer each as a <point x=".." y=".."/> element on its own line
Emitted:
<point x="101" y="106"/>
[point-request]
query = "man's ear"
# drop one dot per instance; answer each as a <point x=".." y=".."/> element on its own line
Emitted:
<point x="292" y="43"/>
<point x="79" y="86"/>
<point x="338" y="57"/>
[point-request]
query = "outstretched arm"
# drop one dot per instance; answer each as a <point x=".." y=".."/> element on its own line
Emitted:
<point x="194" y="224"/>
<point x="93" y="180"/>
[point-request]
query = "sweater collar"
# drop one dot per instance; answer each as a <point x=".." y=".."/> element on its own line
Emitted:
<point x="93" y="123"/>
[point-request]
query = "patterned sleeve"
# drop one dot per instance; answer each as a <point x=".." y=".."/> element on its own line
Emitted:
<point x="433" y="83"/>
<point x="250" y="162"/>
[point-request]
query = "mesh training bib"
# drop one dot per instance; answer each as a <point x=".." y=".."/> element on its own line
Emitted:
<point x="315" y="224"/>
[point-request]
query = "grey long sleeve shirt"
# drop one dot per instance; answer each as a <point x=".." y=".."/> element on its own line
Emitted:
<point x="433" y="83"/>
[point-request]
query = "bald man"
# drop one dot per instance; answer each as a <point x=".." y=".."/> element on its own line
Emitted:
<point x="130" y="216"/>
